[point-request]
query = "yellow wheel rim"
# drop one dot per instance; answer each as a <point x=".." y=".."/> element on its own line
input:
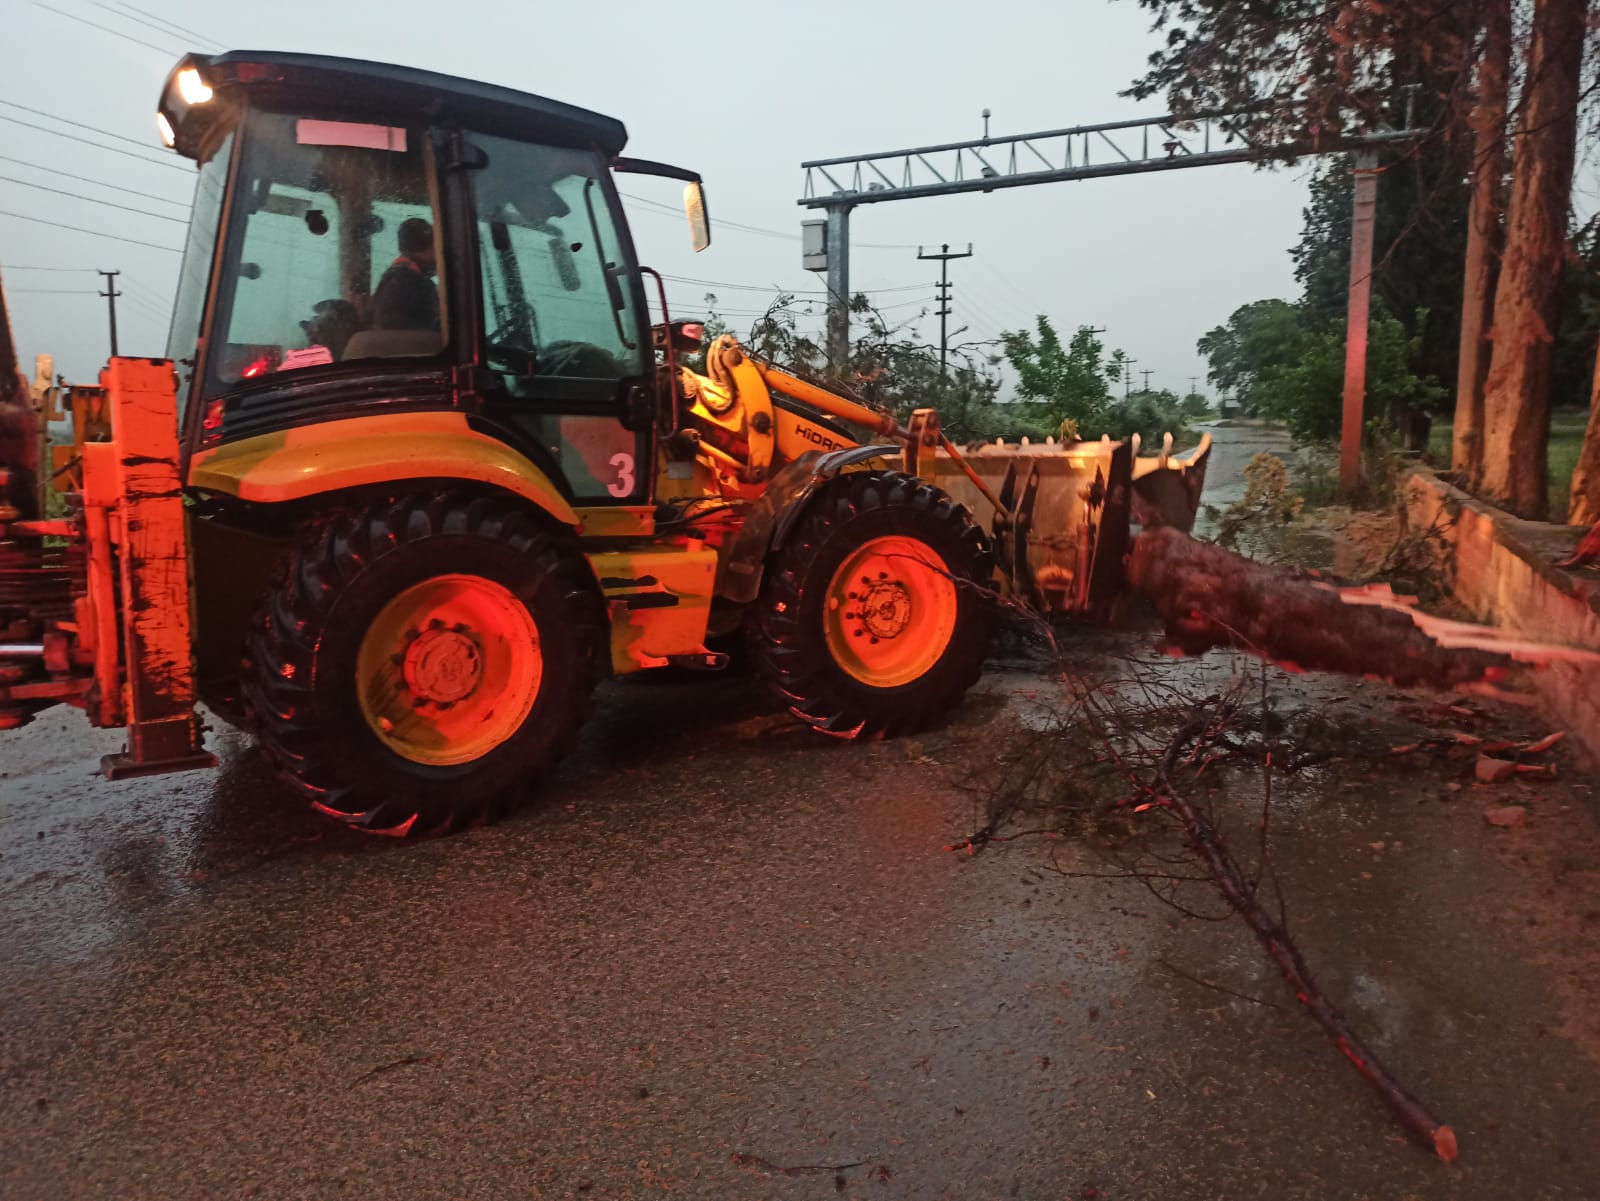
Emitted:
<point x="449" y="669"/>
<point x="890" y="611"/>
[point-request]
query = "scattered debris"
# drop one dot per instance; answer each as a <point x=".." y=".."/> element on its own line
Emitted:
<point x="1507" y="817"/>
<point x="1490" y="770"/>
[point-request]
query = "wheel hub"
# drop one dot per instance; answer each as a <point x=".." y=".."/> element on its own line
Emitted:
<point x="449" y="669"/>
<point x="443" y="665"/>
<point x="890" y="611"/>
<point x="883" y="607"/>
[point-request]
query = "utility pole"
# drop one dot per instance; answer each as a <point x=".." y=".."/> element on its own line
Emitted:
<point x="1127" y="377"/>
<point x="944" y="256"/>
<point x="1363" y="219"/>
<point x="1147" y="373"/>
<point x="1192" y="380"/>
<point x="111" y="295"/>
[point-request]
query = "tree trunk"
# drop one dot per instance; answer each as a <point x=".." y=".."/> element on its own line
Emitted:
<point x="1484" y="240"/>
<point x="1516" y="425"/>
<point x="1584" y="505"/>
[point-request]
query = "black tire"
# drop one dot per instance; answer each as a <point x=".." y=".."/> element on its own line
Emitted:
<point x="300" y="670"/>
<point x="789" y="637"/>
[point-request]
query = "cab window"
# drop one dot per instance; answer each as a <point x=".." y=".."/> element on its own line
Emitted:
<point x="334" y="252"/>
<point x="559" y="319"/>
<point x="560" y="324"/>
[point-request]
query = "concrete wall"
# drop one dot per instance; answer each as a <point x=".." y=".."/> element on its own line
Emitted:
<point x="1501" y="569"/>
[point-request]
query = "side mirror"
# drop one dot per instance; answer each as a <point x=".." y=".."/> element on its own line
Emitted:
<point x="694" y="204"/>
<point x="685" y="337"/>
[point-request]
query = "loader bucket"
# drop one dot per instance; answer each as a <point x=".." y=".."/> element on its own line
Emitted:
<point x="1166" y="487"/>
<point x="1062" y="528"/>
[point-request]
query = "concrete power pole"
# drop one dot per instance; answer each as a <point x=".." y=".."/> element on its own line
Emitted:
<point x="111" y="295"/>
<point x="1147" y="373"/>
<point x="944" y="256"/>
<point x="1127" y="377"/>
<point x="1363" y="219"/>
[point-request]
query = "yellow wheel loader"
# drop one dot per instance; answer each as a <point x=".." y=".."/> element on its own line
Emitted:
<point x="423" y="466"/>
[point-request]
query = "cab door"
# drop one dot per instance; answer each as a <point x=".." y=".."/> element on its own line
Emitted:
<point x="567" y="357"/>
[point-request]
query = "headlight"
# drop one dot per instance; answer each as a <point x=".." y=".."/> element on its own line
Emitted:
<point x="191" y="87"/>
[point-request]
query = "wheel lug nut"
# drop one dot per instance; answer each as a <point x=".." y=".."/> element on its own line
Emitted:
<point x="436" y="624"/>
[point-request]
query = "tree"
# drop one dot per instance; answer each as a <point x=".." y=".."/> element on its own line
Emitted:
<point x="1070" y="382"/>
<point x="1583" y="505"/>
<point x="1307" y="392"/>
<point x="1258" y="337"/>
<point x="1418" y="242"/>
<point x="1149" y="412"/>
<point x="1305" y="72"/>
<point x="1516" y="424"/>
<point x="1484" y="238"/>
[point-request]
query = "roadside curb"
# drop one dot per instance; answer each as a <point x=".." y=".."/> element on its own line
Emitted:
<point x="1502" y="569"/>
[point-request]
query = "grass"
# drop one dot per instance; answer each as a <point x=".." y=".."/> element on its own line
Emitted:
<point x="1566" y="439"/>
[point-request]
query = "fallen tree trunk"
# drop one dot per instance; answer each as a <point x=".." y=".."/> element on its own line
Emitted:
<point x="1212" y="597"/>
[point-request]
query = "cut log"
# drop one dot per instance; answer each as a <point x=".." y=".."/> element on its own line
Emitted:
<point x="1211" y="597"/>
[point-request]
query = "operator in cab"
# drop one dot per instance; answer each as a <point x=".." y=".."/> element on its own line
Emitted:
<point x="406" y="296"/>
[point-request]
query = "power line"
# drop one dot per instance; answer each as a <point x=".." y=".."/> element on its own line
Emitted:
<point x="154" y="22"/>
<point x="40" y="112"/>
<point x="150" y="293"/>
<point x="104" y="28"/>
<point x="95" y="232"/>
<point x="14" y="267"/>
<point x="90" y="179"/>
<point x="110" y="204"/>
<point x="51" y="292"/>
<point x="143" y="158"/>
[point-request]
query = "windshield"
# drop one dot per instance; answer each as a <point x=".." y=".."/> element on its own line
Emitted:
<point x="333" y="252"/>
<point x="195" y="275"/>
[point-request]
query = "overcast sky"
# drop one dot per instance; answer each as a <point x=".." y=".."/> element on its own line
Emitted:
<point x="742" y="94"/>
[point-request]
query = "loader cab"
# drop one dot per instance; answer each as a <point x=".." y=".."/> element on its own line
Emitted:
<point x="371" y="240"/>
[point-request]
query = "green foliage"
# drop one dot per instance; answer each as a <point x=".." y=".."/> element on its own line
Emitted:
<point x="1067" y="388"/>
<point x="1419" y="254"/>
<point x="1062" y="381"/>
<point x="1307" y="394"/>
<point x="1259" y="337"/>
<point x="1280" y="365"/>
<point x="1146" y="413"/>
<point x="1268" y="502"/>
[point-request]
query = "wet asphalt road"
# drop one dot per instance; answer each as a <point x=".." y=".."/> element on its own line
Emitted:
<point x="721" y="957"/>
<point x="719" y="946"/>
